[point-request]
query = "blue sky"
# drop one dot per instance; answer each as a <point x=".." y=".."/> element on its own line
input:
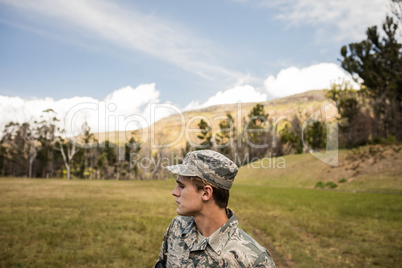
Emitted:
<point x="188" y="53"/>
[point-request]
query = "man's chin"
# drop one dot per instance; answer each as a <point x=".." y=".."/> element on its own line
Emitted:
<point x="181" y="213"/>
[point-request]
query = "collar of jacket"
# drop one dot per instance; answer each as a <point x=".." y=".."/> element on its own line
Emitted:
<point x="217" y="240"/>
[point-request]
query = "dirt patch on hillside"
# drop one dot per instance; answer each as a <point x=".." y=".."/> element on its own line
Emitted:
<point x="366" y="161"/>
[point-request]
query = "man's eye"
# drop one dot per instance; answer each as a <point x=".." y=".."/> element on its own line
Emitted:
<point x="181" y="186"/>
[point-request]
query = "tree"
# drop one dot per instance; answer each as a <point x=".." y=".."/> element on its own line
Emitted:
<point x="107" y="159"/>
<point x="185" y="151"/>
<point x="355" y="123"/>
<point x="18" y="147"/>
<point x="225" y="136"/>
<point x="71" y="151"/>
<point x="205" y="135"/>
<point x="133" y="147"/>
<point x="289" y="136"/>
<point x="32" y="153"/>
<point x="3" y="153"/>
<point x="254" y="130"/>
<point x="378" y="62"/>
<point x="89" y="152"/>
<point x="396" y="9"/>
<point x="316" y="135"/>
<point x="46" y="135"/>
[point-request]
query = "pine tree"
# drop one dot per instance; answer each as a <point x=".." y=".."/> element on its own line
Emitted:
<point x="378" y="62"/>
<point x="224" y="138"/>
<point x="205" y="135"/>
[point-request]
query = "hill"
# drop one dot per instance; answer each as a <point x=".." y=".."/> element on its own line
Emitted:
<point x="174" y="130"/>
<point x="373" y="168"/>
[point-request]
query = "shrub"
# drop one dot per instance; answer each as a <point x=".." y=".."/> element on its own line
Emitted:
<point x="390" y="140"/>
<point x="396" y="149"/>
<point x="342" y="180"/>
<point x="331" y="185"/>
<point x="319" y="184"/>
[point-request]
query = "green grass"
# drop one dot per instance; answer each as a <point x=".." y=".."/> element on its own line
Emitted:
<point x="59" y="223"/>
<point x="315" y="228"/>
<point x="56" y="223"/>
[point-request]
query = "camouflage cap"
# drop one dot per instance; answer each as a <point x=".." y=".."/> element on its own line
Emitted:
<point x="208" y="165"/>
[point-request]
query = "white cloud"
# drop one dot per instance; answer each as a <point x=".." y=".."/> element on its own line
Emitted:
<point x="293" y="80"/>
<point x="129" y="100"/>
<point x="128" y="28"/>
<point x="125" y="109"/>
<point x="244" y="93"/>
<point x="335" y="20"/>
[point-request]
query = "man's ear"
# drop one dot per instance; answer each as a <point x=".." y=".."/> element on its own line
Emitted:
<point x="207" y="194"/>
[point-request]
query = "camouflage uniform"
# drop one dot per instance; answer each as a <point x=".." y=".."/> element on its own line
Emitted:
<point x="229" y="246"/>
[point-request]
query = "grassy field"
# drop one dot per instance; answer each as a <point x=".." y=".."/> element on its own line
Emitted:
<point x="82" y="223"/>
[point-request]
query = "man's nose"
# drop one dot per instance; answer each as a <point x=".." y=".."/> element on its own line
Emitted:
<point x="175" y="191"/>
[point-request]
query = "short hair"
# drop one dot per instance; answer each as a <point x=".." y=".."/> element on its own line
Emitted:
<point x="221" y="196"/>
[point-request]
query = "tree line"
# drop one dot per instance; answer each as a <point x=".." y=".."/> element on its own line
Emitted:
<point x="39" y="150"/>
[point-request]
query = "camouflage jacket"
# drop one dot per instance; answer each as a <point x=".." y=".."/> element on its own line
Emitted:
<point x="229" y="246"/>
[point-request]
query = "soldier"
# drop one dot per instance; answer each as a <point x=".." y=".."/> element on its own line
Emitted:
<point x="206" y="232"/>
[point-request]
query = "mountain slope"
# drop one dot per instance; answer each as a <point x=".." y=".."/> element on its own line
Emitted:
<point x="173" y="131"/>
<point x="372" y="168"/>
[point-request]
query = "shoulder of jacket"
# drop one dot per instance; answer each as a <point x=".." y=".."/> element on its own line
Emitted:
<point x="251" y="243"/>
<point x="181" y="222"/>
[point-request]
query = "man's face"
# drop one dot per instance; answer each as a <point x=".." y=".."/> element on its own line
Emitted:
<point x="189" y="201"/>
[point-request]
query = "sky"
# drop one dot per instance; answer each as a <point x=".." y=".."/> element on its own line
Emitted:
<point x="128" y="56"/>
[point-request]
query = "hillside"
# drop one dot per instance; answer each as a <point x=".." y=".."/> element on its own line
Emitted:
<point x="173" y="130"/>
<point x="373" y="168"/>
